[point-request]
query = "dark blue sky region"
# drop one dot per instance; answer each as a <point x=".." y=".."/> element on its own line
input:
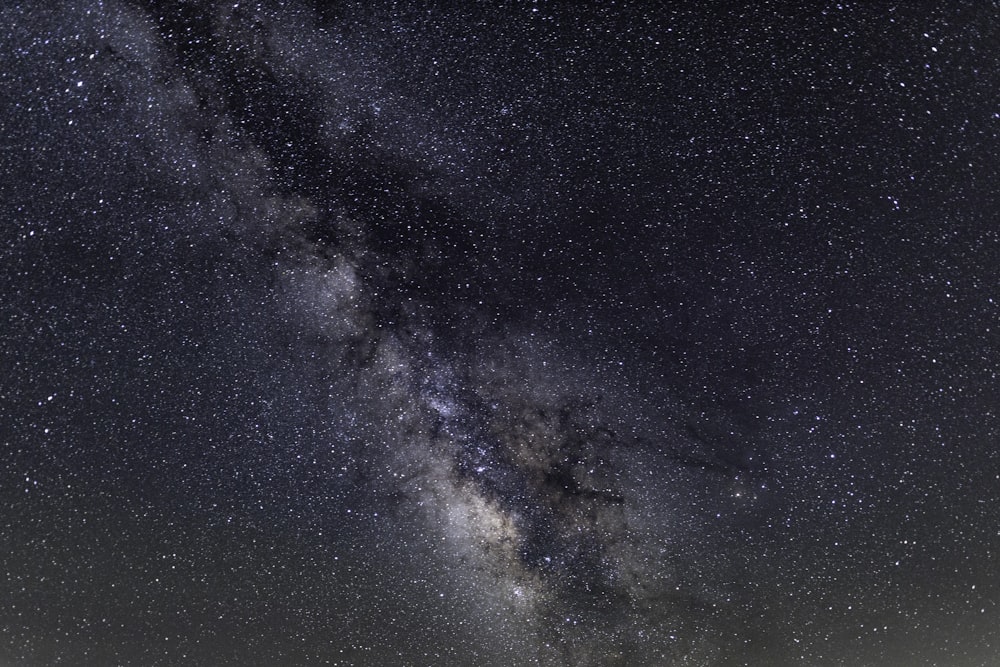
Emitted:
<point x="517" y="333"/>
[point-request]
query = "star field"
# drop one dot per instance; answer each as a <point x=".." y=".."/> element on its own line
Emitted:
<point x="519" y="333"/>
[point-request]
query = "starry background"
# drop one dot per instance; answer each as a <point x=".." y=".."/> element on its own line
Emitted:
<point x="521" y="333"/>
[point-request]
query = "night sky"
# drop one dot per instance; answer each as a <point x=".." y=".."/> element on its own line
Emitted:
<point x="517" y="333"/>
